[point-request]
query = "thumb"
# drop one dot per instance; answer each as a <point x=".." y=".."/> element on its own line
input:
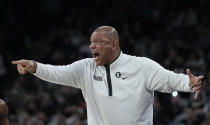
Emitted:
<point x="189" y="73"/>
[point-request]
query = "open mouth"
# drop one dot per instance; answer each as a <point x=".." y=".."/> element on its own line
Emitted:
<point x="95" y="55"/>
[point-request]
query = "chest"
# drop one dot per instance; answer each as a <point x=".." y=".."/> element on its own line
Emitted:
<point x="123" y="82"/>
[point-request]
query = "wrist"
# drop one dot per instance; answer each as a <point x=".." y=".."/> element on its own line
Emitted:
<point x="34" y="66"/>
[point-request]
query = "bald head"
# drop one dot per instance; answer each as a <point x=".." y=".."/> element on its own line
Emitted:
<point x="109" y="32"/>
<point x="104" y="45"/>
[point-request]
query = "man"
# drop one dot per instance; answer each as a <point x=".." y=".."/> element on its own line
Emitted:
<point x="3" y="113"/>
<point x="118" y="88"/>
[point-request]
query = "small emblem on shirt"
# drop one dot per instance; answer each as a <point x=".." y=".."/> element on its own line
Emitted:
<point x="124" y="78"/>
<point x="118" y="74"/>
<point x="98" y="78"/>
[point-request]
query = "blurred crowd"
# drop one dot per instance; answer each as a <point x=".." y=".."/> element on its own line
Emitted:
<point x="174" y="33"/>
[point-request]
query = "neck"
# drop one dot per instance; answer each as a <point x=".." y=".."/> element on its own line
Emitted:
<point x="115" y="57"/>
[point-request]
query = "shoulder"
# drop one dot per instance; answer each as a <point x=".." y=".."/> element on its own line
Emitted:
<point x="87" y="61"/>
<point x="137" y="59"/>
<point x="143" y="63"/>
<point x="83" y="63"/>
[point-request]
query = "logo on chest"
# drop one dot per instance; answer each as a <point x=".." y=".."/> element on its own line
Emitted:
<point x="119" y="75"/>
<point x="97" y="78"/>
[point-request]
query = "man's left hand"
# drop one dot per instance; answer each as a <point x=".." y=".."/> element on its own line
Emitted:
<point x="195" y="83"/>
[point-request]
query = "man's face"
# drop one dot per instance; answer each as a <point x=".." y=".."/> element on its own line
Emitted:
<point x="101" y="48"/>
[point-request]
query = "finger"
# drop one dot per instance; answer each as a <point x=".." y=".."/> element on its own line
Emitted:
<point x="21" y="70"/>
<point x="189" y="73"/>
<point x="19" y="67"/>
<point x="22" y="62"/>
<point x="199" y="78"/>
<point x="196" y="84"/>
<point x="24" y="70"/>
<point x="18" y="70"/>
<point x="196" y="89"/>
<point x="196" y="95"/>
<point x="16" y="62"/>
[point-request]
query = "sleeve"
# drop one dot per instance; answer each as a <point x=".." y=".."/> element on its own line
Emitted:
<point x="70" y="75"/>
<point x="164" y="80"/>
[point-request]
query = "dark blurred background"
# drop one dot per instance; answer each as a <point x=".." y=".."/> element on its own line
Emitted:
<point x="175" y="33"/>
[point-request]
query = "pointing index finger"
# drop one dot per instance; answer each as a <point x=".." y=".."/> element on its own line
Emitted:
<point x="15" y="62"/>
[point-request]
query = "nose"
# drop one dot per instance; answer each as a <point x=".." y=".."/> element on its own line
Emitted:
<point x="92" y="45"/>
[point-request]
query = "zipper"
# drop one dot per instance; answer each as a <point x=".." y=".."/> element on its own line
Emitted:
<point x="108" y="79"/>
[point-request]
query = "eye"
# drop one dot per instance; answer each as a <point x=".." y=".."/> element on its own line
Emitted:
<point x="97" y="42"/>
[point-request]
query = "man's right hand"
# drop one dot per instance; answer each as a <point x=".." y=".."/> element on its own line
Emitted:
<point x="25" y="66"/>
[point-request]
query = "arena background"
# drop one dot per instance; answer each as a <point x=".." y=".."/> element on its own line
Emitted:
<point x="175" y="33"/>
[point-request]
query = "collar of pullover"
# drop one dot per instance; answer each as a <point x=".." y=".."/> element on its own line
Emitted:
<point x="117" y="63"/>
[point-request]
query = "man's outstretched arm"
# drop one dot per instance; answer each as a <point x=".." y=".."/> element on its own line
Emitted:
<point x="164" y="80"/>
<point x="3" y="113"/>
<point x="70" y="75"/>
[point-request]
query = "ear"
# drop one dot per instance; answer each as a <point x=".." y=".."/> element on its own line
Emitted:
<point x="114" y="45"/>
